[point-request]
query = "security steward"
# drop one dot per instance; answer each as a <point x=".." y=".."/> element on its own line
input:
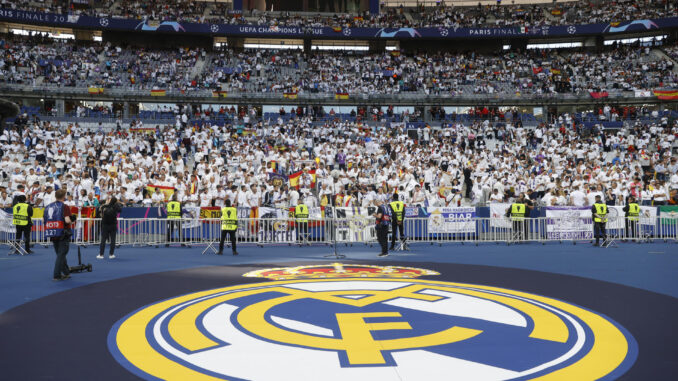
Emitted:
<point x="382" y="224"/>
<point x="229" y="226"/>
<point x="599" y="211"/>
<point x="301" y="218"/>
<point x="398" y="216"/>
<point x="517" y="214"/>
<point x="173" y="219"/>
<point x="21" y="218"/>
<point x="631" y="211"/>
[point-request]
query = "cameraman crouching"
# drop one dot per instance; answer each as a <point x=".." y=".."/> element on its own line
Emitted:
<point x="58" y="219"/>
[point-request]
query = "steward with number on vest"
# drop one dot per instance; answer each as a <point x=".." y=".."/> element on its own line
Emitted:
<point x="397" y="209"/>
<point x="21" y="218"/>
<point x="301" y="217"/>
<point x="229" y="226"/>
<point x="632" y="212"/>
<point x="517" y="214"/>
<point x="599" y="211"/>
<point x="173" y="220"/>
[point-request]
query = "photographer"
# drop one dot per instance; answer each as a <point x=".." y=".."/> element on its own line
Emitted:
<point x="58" y="219"/>
<point x="108" y="212"/>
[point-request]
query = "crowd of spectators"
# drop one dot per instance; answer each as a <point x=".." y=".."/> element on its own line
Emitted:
<point x="487" y="160"/>
<point x="38" y="60"/>
<point x="501" y="15"/>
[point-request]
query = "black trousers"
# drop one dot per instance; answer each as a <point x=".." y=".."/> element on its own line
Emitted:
<point x="382" y="237"/>
<point x="599" y="231"/>
<point x="302" y="231"/>
<point x="24" y="231"/>
<point x="231" y="234"/>
<point x="108" y="232"/>
<point x="171" y="225"/>
<point x="631" y="228"/>
<point x="395" y="227"/>
<point x="61" y="249"/>
<point x="519" y="229"/>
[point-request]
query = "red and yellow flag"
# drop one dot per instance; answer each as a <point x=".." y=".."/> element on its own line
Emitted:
<point x="158" y="93"/>
<point x="290" y="95"/>
<point x="341" y="96"/>
<point x="666" y="94"/>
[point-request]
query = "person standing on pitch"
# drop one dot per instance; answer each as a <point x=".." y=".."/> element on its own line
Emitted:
<point x="21" y="218"/>
<point x="109" y="226"/>
<point x="383" y="221"/>
<point x="301" y="217"/>
<point x="398" y="224"/>
<point x="632" y="211"/>
<point x="58" y="219"/>
<point x="599" y="211"/>
<point x="173" y="219"/>
<point x="229" y="226"/>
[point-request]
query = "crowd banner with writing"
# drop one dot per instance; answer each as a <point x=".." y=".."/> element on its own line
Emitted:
<point x="498" y="215"/>
<point x="569" y="222"/>
<point x="354" y="224"/>
<point x="451" y="220"/>
<point x="107" y="23"/>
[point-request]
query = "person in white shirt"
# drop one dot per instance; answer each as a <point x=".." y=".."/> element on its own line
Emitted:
<point x="293" y="197"/>
<point x="578" y="198"/>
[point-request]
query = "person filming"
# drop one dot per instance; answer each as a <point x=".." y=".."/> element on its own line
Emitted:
<point x="109" y="225"/>
<point x="58" y="219"/>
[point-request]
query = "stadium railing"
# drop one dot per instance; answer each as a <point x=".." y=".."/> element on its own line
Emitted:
<point x="357" y="230"/>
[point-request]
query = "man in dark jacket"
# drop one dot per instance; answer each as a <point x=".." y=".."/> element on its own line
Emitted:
<point x="109" y="225"/>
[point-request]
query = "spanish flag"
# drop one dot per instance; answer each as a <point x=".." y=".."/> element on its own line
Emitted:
<point x="95" y="90"/>
<point x="556" y="12"/>
<point x="290" y="95"/>
<point x="158" y="93"/>
<point x="395" y="53"/>
<point x="337" y="29"/>
<point x="555" y="71"/>
<point x="219" y="94"/>
<point x="167" y="191"/>
<point x="295" y="177"/>
<point x="341" y="96"/>
<point x="666" y="95"/>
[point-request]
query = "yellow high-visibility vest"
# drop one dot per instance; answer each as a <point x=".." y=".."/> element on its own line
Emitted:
<point x="517" y="212"/>
<point x="398" y="208"/>
<point x="20" y="214"/>
<point x="301" y="213"/>
<point x="634" y="211"/>
<point x="173" y="210"/>
<point x="229" y="218"/>
<point x="601" y="210"/>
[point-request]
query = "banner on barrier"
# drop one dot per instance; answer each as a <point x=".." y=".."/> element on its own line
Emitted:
<point x="355" y="224"/>
<point x="6" y="225"/>
<point x="667" y="213"/>
<point x="615" y="217"/>
<point x="451" y="220"/>
<point x="569" y="222"/>
<point x="498" y="215"/>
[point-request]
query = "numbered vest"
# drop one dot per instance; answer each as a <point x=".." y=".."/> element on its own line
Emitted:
<point x="601" y="211"/>
<point x="634" y="211"/>
<point x="20" y="214"/>
<point x="398" y="207"/>
<point x="229" y="218"/>
<point x="517" y="212"/>
<point x="301" y="213"/>
<point x="173" y="210"/>
<point x="54" y="220"/>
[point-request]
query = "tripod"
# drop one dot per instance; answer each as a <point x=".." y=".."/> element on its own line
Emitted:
<point x="335" y="253"/>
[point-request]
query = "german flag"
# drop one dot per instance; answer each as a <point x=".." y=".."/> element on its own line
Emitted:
<point x="219" y="94"/>
<point x="666" y="95"/>
<point x="158" y="93"/>
<point x="341" y="96"/>
<point x="290" y="95"/>
<point x="95" y="90"/>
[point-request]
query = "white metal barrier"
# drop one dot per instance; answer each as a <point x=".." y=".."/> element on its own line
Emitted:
<point x="358" y="229"/>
